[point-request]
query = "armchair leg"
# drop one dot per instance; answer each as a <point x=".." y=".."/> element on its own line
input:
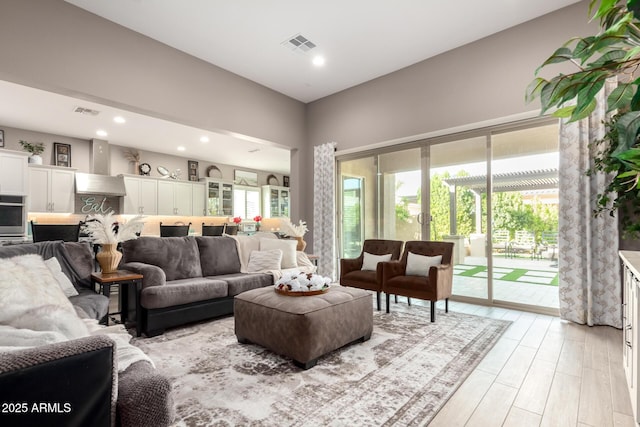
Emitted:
<point x="409" y="301"/>
<point x="433" y="311"/>
<point x="388" y="301"/>
<point x="396" y="298"/>
<point x="378" y="299"/>
<point x="446" y="305"/>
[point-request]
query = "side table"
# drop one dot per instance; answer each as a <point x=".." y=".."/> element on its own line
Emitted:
<point x="123" y="279"/>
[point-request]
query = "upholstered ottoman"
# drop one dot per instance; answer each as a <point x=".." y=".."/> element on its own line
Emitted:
<point x="303" y="327"/>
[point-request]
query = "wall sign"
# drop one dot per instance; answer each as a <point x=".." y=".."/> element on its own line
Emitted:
<point x="91" y="204"/>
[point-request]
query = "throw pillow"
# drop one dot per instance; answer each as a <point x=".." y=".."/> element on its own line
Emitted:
<point x="288" y="248"/>
<point x="419" y="265"/>
<point x="370" y="261"/>
<point x="65" y="284"/>
<point x="265" y="260"/>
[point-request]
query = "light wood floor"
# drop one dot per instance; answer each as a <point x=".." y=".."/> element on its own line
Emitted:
<point x="542" y="372"/>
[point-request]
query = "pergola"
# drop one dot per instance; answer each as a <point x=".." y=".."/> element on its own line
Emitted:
<point x="540" y="179"/>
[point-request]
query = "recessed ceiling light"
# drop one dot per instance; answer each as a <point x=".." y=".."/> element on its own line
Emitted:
<point x="181" y="148"/>
<point x="318" y="61"/>
<point x="119" y="119"/>
<point x="101" y="132"/>
<point x="204" y="139"/>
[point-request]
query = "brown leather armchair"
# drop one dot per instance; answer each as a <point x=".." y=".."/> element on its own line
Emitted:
<point x="351" y="273"/>
<point x="433" y="287"/>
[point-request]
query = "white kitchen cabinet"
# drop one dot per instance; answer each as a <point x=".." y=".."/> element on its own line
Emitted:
<point x="198" y="196"/>
<point x="630" y="336"/>
<point x="51" y="189"/>
<point x="14" y="177"/>
<point x="175" y="198"/>
<point x="275" y="201"/>
<point x="219" y="197"/>
<point x="142" y="196"/>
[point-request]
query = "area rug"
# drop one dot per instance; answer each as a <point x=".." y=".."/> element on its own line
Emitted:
<point x="402" y="376"/>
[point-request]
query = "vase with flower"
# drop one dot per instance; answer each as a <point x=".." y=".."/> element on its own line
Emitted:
<point x="296" y="231"/>
<point x="107" y="232"/>
<point x="257" y="219"/>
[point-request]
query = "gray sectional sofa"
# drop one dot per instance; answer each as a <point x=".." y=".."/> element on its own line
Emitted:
<point x="81" y="373"/>
<point x="187" y="279"/>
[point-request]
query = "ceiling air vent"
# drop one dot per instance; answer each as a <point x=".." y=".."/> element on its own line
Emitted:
<point x="299" y="43"/>
<point x="86" y="111"/>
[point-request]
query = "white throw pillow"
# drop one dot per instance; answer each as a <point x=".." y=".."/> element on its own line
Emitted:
<point x="65" y="284"/>
<point x="288" y="248"/>
<point x="370" y="261"/>
<point x="419" y="265"/>
<point x="265" y="260"/>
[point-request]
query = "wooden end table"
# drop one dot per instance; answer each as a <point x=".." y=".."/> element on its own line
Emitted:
<point x="121" y="278"/>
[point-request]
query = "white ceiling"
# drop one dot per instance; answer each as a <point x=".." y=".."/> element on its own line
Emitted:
<point x="360" y="40"/>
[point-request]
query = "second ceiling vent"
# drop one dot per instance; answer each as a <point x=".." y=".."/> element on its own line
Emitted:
<point x="299" y="43"/>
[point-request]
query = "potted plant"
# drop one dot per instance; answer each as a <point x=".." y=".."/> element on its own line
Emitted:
<point x="35" y="148"/>
<point x="613" y="52"/>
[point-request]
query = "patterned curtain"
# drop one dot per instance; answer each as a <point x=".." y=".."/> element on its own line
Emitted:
<point x="589" y="268"/>
<point x="324" y="212"/>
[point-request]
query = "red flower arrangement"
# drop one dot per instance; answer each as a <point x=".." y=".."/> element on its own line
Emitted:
<point x="257" y="218"/>
<point x="237" y="220"/>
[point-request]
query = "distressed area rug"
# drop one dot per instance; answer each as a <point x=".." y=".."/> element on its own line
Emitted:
<point x="402" y="376"/>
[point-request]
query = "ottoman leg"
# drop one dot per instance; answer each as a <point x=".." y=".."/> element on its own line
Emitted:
<point x="308" y="365"/>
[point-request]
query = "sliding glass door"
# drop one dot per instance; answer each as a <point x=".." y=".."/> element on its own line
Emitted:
<point x="493" y="193"/>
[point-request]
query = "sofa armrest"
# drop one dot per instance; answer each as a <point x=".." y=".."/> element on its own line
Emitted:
<point x="144" y="397"/>
<point x="442" y="276"/>
<point x="348" y="265"/>
<point x="391" y="269"/>
<point x="67" y="383"/>
<point x="152" y="274"/>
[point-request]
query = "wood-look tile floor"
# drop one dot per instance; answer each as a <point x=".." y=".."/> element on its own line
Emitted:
<point x="542" y="372"/>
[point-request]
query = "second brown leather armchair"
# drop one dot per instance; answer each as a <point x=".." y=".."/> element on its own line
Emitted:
<point x="434" y="285"/>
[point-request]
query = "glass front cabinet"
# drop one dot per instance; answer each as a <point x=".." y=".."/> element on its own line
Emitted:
<point x="275" y="201"/>
<point x="219" y="197"/>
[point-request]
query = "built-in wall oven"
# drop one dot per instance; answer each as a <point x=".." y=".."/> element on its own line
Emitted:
<point x="12" y="216"/>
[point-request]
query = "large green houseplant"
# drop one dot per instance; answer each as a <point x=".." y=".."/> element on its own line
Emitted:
<point x="613" y="52"/>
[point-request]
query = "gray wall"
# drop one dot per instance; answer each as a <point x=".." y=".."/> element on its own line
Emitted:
<point x="478" y="82"/>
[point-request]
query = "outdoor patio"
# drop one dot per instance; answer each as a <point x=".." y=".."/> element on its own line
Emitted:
<point x="519" y="280"/>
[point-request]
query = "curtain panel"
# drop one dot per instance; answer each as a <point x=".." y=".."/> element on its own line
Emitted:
<point x="324" y="213"/>
<point x="589" y="268"/>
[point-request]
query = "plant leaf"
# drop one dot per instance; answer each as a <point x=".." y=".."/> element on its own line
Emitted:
<point x="634" y="7"/>
<point x="562" y="54"/>
<point x="583" y="110"/>
<point x="620" y="96"/>
<point x="627" y="126"/>
<point x="605" y="6"/>
<point x="534" y="89"/>
<point x="564" y="112"/>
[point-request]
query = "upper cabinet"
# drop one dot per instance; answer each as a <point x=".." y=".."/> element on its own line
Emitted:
<point x="174" y="198"/>
<point x="51" y="189"/>
<point x="13" y="174"/>
<point x="142" y="196"/>
<point x="198" y="199"/>
<point x="219" y="197"/>
<point x="275" y="201"/>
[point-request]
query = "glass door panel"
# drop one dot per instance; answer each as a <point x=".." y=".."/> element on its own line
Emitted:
<point x="458" y="210"/>
<point x="525" y="216"/>
<point x="357" y="210"/>
<point x="400" y="195"/>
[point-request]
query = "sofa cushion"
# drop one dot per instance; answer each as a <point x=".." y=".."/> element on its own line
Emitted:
<point x="288" y="248"/>
<point x="94" y="305"/>
<point x="239" y="283"/>
<point x="264" y="260"/>
<point x="183" y="291"/>
<point x="178" y="257"/>
<point x="218" y="255"/>
<point x="65" y="284"/>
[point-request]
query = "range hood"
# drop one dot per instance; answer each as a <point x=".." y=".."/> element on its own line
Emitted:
<point x="100" y="182"/>
<point x="90" y="183"/>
